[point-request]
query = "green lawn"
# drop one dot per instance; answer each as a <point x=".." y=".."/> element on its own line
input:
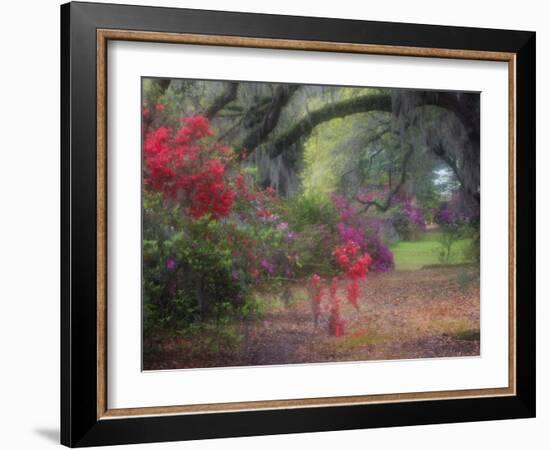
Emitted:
<point x="424" y="252"/>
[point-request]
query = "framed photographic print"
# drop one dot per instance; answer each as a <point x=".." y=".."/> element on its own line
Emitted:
<point x="276" y="224"/>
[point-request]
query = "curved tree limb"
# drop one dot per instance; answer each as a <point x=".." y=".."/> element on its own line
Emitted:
<point x="360" y="164"/>
<point x="222" y="100"/>
<point x="304" y="127"/>
<point x="465" y="106"/>
<point x="383" y="207"/>
<point x="163" y="84"/>
<point x="282" y="95"/>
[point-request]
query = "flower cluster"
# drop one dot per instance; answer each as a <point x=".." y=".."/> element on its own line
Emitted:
<point x="364" y="232"/>
<point x="355" y="267"/>
<point x="370" y="194"/>
<point x="351" y="233"/>
<point x="413" y="214"/>
<point x="185" y="167"/>
<point x="383" y="260"/>
<point x="345" y="210"/>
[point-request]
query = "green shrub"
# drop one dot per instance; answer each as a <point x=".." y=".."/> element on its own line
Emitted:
<point x="306" y="210"/>
<point x="314" y="246"/>
<point x="472" y="251"/>
<point x="406" y="229"/>
<point x="189" y="276"/>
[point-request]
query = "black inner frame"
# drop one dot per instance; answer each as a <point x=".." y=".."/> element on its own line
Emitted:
<point x="79" y="423"/>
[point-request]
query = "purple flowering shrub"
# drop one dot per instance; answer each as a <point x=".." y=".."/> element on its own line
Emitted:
<point x="414" y="214"/>
<point x="382" y="256"/>
<point x="407" y="219"/>
<point x="365" y="232"/>
<point x="456" y="212"/>
<point x="351" y="233"/>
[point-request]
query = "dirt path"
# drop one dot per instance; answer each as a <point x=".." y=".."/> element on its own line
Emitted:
<point x="402" y="315"/>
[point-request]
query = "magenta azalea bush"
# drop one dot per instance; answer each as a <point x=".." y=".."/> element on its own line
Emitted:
<point x="365" y="232"/>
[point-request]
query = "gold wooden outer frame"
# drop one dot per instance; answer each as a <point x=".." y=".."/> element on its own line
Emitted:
<point x="103" y="36"/>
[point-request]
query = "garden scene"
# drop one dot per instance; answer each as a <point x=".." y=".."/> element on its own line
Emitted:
<point x="287" y="224"/>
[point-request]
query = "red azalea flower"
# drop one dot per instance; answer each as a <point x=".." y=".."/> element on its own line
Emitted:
<point x="183" y="167"/>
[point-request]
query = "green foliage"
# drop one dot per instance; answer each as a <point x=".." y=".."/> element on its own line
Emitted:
<point x="314" y="217"/>
<point x="311" y="209"/>
<point x="469" y="276"/>
<point x="472" y="251"/>
<point x="404" y="227"/>
<point x="468" y="335"/>
<point x="427" y="193"/>
<point x="314" y="249"/>
<point x="451" y="234"/>
<point x="448" y="237"/>
<point x="323" y="165"/>
<point x="188" y="275"/>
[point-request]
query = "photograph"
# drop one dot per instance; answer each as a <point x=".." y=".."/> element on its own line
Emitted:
<point x="295" y="224"/>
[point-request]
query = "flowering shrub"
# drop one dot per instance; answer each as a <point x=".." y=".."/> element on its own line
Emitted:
<point x="188" y="275"/>
<point x="382" y="256"/>
<point x="407" y="219"/>
<point x="197" y="267"/>
<point x="306" y="223"/>
<point x="353" y="234"/>
<point x="364" y="232"/>
<point x="313" y="247"/>
<point x="311" y="210"/>
<point x="345" y="210"/>
<point x="272" y="241"/>
<point x="414" y="214"/>
<point x="373" y="193"/>
<point x="189" y="169"/>
<point x="354" y="267"/>
<point x="456" y="212"/>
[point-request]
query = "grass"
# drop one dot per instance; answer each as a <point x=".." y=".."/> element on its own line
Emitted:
<point x="360" y="339"/>
<point x="468" y="335"/>
<point x="414" y="255"/>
